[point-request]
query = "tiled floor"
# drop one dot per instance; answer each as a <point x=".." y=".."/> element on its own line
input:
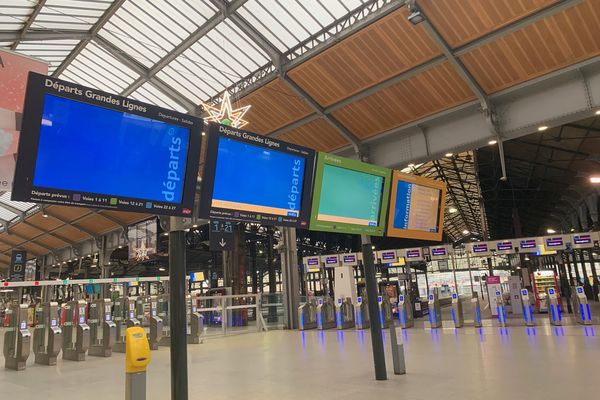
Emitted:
<point x="542" y="363"/>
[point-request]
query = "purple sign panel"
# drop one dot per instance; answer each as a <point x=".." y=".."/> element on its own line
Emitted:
<point x="438" y="252"/>
<point x="528" y="244"/>
<point x="388" y="256"/>
<point x="582" y="239"/>
<point x="480" y="248"/>
<point x="312" y="262"/>
<point x="413" y="253"/>
<point x="554" y="242"/>
<point x="350" y="258"/>
<point x="504" y="246"/>
<point x="331" y="260"/>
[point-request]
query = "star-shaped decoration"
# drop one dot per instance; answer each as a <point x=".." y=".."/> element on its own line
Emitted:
<point x="225" y="114"/>
<point x="141" y="253"/>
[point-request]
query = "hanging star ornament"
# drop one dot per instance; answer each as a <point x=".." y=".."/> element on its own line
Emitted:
<point x="225" y="114"/>
<point x="141" y="253"/>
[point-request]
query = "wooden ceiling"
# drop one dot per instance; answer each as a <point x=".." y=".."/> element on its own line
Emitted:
<point x="392" y="48"/>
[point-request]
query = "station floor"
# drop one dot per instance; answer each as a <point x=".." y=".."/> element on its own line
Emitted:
<point x="491" y="363"/>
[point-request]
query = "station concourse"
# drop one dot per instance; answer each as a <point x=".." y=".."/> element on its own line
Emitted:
<point x="287" y="199"/>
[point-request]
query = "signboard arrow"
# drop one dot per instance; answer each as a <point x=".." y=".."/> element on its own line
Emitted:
<point x="221" y="235"/>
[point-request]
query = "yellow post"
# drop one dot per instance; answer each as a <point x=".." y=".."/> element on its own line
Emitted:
<point x="137" y="358"/>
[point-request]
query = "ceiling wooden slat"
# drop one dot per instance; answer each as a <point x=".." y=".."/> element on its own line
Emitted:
<point x="432" y="91"/>
<point x="376" y="53"/>
<point x="96" y="223"/>
<point x="68" y="213"/>
<point x="71" y="233"/>
<point x="25" y="231"/>
<point x="553" y="43"/>
<point x="318" y="134"/>
<point x="45" y="224"/>
<point x="126" y="218"/>
<point x="462" y="21"/>
<point x="51" y="242"/>
<point x="273" y="106"/>
<point x="9" y="239"/>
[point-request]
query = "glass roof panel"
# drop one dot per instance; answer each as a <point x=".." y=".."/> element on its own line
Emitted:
<point x="286" y="23"/>
<point x="148" y="32"/>
<point x="149" y="94"/>
<point x="20" y="205"/>
<point x="53" y="52"/>
<point x="14" y="14"/>
<point x="70" y="14"/>
<point x="7" y="215"/>
<point x="97" y="68"/>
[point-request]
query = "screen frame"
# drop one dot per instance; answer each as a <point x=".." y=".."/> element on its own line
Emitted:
<point x="324" y="159"/>
<point x="37" y="87"/>
<point x="415" y="233"/>
<point x="215" y="133"/>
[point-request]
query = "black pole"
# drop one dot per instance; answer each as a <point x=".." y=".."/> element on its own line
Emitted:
<point x="372" y="293"/>
<point x="179" y="376"/>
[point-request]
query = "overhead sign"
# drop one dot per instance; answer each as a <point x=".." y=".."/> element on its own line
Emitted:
<point x="14" y="69"/>
<point x="331" y="261"/>
<point x="18" y="261"/>
<point x="582" y="240"/>
<point x="479" y="249"/>
<point x="505" y="247"/>
<point x="312" y="263"/>
<point x="528" y="245"/>
<point x="415" y="254"/>
<point x="439" y="252"/>
<point x="350" y="259"/>
<point x="142" y="238"/>
<point x="555" y="242"/>
<point x="221" y="235"/>
<point x="83" y="147"/>
<point x="387" y="256"/>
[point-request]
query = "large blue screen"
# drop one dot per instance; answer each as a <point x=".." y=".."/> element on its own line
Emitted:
<point x="93" y="149"/>
<point x="257" y="179"/>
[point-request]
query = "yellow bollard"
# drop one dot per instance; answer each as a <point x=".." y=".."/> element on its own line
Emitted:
<point x="137" y="358"/>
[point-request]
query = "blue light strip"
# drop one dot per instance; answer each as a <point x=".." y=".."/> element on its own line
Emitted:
<point x="581" y="312"/>
<point x="553" y="313"/>
<point x="504" y="314"/>
<point x="559" y="312"/>
<point x="525" y="314"/>
<point x="589" y="312"/>
<point x="478" y="315"/>
<point x="453" y="317"/>
<point x="531" y="313"/>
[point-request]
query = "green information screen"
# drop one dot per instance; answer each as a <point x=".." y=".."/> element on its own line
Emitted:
<point x="349" y="196"/>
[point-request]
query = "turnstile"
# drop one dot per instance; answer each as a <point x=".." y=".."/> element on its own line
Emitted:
<point x="76" y="333"/>
<point x="435" y="311"/>
<point x="47" y="336"/>
<point x="385" y="311"/>
<point x="361" y="314"/>
<point x="554" y="311"/>
<point x="527" y="308"/>
<point x="457" y="311"/>
<point x="405" y="313"/>
<point x="344" y="313"/>
<point x="17" y="338"/>
<point x="582" y="307"/>
<point x="476" y="310"/>
<point x="500" y="308"/>
<point x="156" y="327"/>
<point x="124" y="317"/>
<point x="325" y="314"/>
<point x="103" y="331"/>
<point x="307" y="316"/>
<point x="196" y="323"/>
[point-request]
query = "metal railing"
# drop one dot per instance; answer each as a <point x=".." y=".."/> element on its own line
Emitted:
<point x="231" y="314"/>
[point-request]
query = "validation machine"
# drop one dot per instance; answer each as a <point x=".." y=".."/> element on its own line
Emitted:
<point x="103" y="331"/>
<point x="435" y="311"/>
<point x="405" y="312"/>
<point x="476" y="309"/>
<point x="325" y="314"/>
<point x="47" y="336"/>
<point x="361" y="314"/>
<point x="457" y="311"/>
<point x="307" y="315"/>
<point x="344" y="313"/>
<point x="527" y="308"/>
<point x="17" y="338"/>
<point x="76" y="333"/>
<point x="554" y="312"/>
<point x="582" y="307"/>
<point x="500" y="308"/>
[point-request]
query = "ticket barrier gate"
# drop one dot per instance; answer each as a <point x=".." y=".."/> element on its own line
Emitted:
<point x="361" y="314"/>
<point x="457" y="311"/>
<point x="196" y="323"/>
<point x="527" y="308"/>
<point x="103" y="331"/>
<point x="76" y="333"/>
<point x="156" y="324"/>
<point x="17" y="338"/>
<point x="163" y="313"/>
<point x="405" y="313"/>
<point x="554" y="312"/>
<point x="580" y="301"/>
<point x="124" y="317"/>
<point x="325" y="314"/>
<point x="435" y="311"/>
<point x="385" y="311"/>
<point x="344" y="313"/>
<point x="307" y="316"/>
<point x="500" y="308"/>
<point x="476" y="309"/>
<point x="47" y="336"/>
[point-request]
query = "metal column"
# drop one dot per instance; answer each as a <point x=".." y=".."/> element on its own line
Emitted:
<point x="290" y="277"/>
<point x="179" y="376"/>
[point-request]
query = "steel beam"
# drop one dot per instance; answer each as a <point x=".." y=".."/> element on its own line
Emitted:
<point x="30" y="20"/>
<point x="42" y="35"/>
<point x="110" y="11"/>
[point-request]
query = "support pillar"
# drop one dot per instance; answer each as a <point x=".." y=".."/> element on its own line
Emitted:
<point x="594" y="273"/>
<point x="290" y="277"/>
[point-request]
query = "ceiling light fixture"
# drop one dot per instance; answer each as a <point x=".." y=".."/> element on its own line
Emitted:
<point x="542" y="128"/>
<point x="44" y="215"/>
<point x="466" y="232"/>
<point x="595" y="179"/>
<point x="550" y="231"/>
<point x="449" y="154"/>
<point x="597" y="112"/>
<point x="492" y="142"/>
<point x="452" y="210"/>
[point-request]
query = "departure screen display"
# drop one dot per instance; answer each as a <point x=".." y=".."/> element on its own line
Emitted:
<point x="417" y="207"/>
<point x="254" y="178"/>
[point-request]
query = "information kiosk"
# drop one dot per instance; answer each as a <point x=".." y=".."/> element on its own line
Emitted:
<point x="457" y="311"/>
<point x="405" y="312"/>
<point x="527" y="308"/>
<point x="47" y="336"/>
<point x="580" y="301"/>
<point x="554" y="308"/>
